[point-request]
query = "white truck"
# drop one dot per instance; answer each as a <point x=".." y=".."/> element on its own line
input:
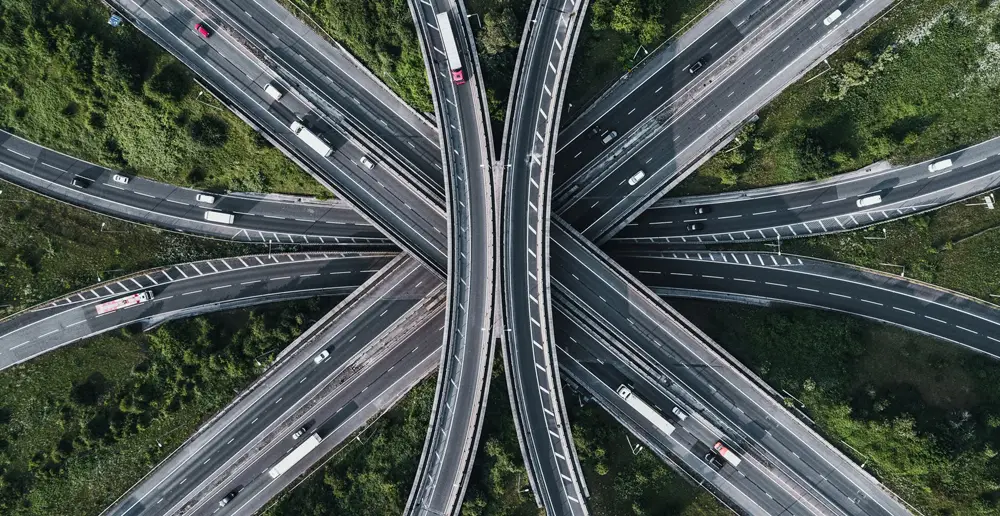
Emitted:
<point x="218" y="216"/>
<point x="297" y="454"/>
<point x="451" y="48"/>
<point x="645" y="409"/>
<point x="314" y="142"/>
<point x="123" y="302"/>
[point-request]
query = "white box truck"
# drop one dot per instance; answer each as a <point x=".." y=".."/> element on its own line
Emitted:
<point x="273" y="92"/>
<point x="726" y="453"/>
<point x="314" y="142"/>
<point x="297" y="454"/>
<point x="218" y="216"/>
<point x="645" y="409"/>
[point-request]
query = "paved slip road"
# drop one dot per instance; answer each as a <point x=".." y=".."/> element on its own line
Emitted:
<point x="278" y="219"/>
<point x="371" y="325"/>
<point x="467" y="352"/>
<point x="182" y="291"/>
<point x="796" y="280"/>
<point x="605" y="201"/>
<point x="530" y="136"/>
<point x="815" y="207"/>
<point x="377" y="193"/>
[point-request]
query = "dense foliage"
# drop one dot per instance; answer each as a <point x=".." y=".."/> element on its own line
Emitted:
<point x="921" y="82"/>
<point x="79" y="426"/>
<point x="380" y="34"/>
<point x="110" y="95"/>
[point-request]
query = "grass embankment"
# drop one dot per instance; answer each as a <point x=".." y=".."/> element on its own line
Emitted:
<point x="51" y="248"/>
<point x="111" y="96"/>
<point x="921" y="82"/>
<point x="611" y="38"/>
<point x="924" y="415"/>
<point x="380" y="34"/>
<point x="80" y="425"/>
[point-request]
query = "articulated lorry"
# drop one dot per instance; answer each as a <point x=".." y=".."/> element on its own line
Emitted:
<point x="314" y="142"/>
<point x="297" y="454"/>
<point x="645" y="409"/>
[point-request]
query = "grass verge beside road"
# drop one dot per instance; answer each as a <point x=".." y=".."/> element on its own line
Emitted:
<point x="80" y="425"/>
<point x="921" y="82"/>
<point x="111" y="96"/>
<point x="51" y="248"/>
<point x="923" y="415"/>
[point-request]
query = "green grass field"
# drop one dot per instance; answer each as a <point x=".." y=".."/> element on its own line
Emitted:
<point x="109" y="95"/>
<point x="80" y="425"/>
<point x="921" y="82"/>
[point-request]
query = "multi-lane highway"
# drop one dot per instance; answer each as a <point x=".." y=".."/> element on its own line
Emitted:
<point x="609" y="192"/>
<point x="182" y="291"/>
<point x="256" y="218"/>
<point x="796" y="280"/>
<point x="388" y="324"/>
<point x="530" y="133"/>
<point x="467" y="353"/>
<point x="816" y="207"/>
<point x="390" y="200"/>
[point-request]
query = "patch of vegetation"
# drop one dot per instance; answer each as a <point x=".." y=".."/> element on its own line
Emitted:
<point x="498" y="38"/>
<point x="51" y="248"/>
<point x="924" y="416"/>
<point x="111" y="96"/>
<point x="955" y="247"/>
<point x="380" y="34"/>
<point x="80" y="425"/>
<point x="611" y="38"/>
<point x="373" y="473"/>
<point x="921" y="82"/>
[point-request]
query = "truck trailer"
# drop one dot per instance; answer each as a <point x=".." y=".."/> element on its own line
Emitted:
<point x="314" y="142"/>
<point x="297" y="454"/>
<point x="645" y="409"/>
<point x="122" y="302"/>
<point x="451" y="48"/>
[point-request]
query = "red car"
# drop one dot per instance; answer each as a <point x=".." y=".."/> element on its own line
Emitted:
<point x="202" y="30"/>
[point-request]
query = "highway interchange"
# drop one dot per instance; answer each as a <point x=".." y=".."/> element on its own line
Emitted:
<point x="567" y="240"/>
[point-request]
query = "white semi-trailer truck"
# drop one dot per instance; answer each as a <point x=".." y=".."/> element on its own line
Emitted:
<point x="645" y="409"/>
<point x="297" y="454"/>
<point x="315" y="142"/>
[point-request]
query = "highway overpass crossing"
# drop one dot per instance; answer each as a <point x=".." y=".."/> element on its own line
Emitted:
<point x="422" y="226"/>
<point x="530" y="133"/>
<point x="467" y="352"/>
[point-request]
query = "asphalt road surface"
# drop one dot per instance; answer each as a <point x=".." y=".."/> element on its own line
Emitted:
<point x="802" y="281"/>
<point x="816" y="207"/>
<point x="364" y="327"/>
<point x="181" y="291"/>
<point x="258" y="219"/>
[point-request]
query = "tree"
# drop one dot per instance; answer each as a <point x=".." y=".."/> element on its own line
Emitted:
<point x="500" y="31"/>
<point x="211" y="131"/>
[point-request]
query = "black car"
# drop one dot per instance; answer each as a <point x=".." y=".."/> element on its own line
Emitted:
<point x="594" y="131"/>
<point x="714" y="460"/>
<point x="694" y="226"/>
<point x="698" y="65"/>
<point x="80" y="182"/>
<point x="229" y="497"/>
<point x="701" y="210"/>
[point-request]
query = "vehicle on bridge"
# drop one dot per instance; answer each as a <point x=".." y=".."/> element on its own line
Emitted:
<point x="451" y="48"/>
<point x="939" y="165"/>
<point x="727" y="454"/>
<point x="218" y="216"/>
<point x="314" y="142"/>
<point x="645" y="409"/>
<point x="122" y="302"/>
<point x="297" y="454"/>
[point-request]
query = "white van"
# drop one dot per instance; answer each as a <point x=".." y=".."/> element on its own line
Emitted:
<point x="834" y="16"/>
<point x="939" y="165"/>
<point x="274" y="92"/>
<point x="218" y="216"/>
<point x="608" y="136"/>
<point x="205" y="198"/>
<point x="869" y="200"/>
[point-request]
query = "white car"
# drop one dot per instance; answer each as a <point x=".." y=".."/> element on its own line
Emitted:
<point x="634" y="180"/>
<point x="834" y="16"/>
<point x="939" y="165"/>
<point x="207" y="199"/>
<point x="321" y="356"/>
<point x="119" y="179"/>
<point x="367" y="163"/>
<point x="869" y="201"/>
<point x="679" y="413"/>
